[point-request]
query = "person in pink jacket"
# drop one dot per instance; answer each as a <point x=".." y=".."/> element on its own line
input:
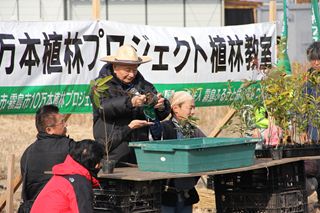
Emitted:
<point x="273" y="134"/>
<point x="70" y="188"/>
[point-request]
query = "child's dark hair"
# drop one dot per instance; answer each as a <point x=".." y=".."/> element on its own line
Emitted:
<point x="45" y="118"/>
<point x="87" y="152"/>
<point x="313" y="51"/>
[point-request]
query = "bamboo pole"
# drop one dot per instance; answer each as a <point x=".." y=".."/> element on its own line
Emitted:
<point x="96" y="9"/>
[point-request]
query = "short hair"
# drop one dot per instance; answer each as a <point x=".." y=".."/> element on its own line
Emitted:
<point x="178" y="98"/>
<point x="313" y="51"/>
<point x="45" y="117"/>
<point x="87" y="152"/>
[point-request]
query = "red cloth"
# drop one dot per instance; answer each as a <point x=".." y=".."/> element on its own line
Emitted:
<point x="59" y="195"/>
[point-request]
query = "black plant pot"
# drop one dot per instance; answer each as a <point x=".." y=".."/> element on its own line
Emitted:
<point x="108" y="166"/>
<point x="276" y="153"/>
<point x="290" y="150"/>
<point x="263" y="153"/>
<point x="298" y="150"/>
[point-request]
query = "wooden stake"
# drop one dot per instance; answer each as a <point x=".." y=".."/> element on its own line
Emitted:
<point x="96" y="9"/>
<point x="226" y="118"/>
<point x="272" y="10"/>
<point x="9" y="200"/>
<point x="16" y="183"/>
<point x="67" y="116"/>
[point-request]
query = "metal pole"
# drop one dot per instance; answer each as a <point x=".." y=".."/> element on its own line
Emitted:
<point x="222" y="13"/>
<point x="107" y="9"/>
<point x="70" y="10"/>
<point x="184" y="13"/>
<point x="65" y="9"/>
<point x="146" y="11"/>
<point x="40" y="8"/>
<point x="18" y="11"/>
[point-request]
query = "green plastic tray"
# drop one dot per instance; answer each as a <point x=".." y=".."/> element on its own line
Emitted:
<point x="194" y="154"/>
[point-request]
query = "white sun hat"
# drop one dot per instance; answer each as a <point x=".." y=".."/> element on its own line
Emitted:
<point x="126" y="54"/>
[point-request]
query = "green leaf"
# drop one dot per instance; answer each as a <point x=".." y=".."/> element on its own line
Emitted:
<point x="285" y="93"/>
<point x="102" y="81"/>
<point x="96" y="101"/>
<point x="92" y="83"/>
<point x="103" y="87"/>
<point x="268" y="102"/>
<point x="96" y="93"/>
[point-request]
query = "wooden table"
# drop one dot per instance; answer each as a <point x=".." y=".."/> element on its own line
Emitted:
<point x="134" y="174"/>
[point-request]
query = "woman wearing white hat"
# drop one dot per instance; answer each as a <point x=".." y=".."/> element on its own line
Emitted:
<point x="124" y="106"/>
<point x="180" y="194"/>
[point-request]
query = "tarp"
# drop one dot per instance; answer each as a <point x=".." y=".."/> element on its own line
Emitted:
<point x="53" y="62"/>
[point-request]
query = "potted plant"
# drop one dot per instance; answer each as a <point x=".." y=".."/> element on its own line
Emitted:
<point x="250" y="114"/>
<point x="287" y="104"/>
<point x="291" y="107"/>
<point x="188" y="126"/>
<point x="246" y="103"/>
<point x="98" y="90"/>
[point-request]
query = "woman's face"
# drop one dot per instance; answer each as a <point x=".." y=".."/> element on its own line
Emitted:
<point x="184" y="110"/>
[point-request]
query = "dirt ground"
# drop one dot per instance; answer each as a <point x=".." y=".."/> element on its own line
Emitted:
<point x="18" y="131"/>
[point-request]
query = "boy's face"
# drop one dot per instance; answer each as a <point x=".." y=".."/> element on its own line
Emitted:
<point x="315" y="64"/>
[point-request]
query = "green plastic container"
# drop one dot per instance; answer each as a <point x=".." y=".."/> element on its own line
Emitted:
<point x="194" y="154"/>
